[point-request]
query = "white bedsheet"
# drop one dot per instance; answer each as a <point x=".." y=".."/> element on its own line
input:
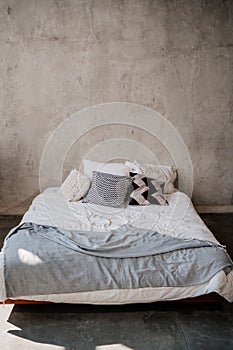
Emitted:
<point x="178" y="219"/>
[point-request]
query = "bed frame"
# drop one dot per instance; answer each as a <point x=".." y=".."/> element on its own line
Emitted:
<point x="208" y="298"/>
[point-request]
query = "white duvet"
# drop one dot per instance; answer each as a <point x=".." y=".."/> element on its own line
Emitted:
<point x="179" y="219"/>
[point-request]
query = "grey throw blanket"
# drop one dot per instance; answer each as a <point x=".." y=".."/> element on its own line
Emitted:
<point x="49" y="260"/>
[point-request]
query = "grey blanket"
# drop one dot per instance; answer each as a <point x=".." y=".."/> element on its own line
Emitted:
<point x="42" y="259"/>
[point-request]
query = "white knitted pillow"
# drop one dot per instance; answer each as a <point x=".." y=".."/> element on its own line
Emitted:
<point x="75" y="186"/>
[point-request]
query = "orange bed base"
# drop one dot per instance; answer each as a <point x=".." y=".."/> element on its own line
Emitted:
<point x="208" y="298"/>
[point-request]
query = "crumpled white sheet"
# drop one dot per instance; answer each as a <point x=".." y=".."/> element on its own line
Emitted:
<point x="179" y="219"/>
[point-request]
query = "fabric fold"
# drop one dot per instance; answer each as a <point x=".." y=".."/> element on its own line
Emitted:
<point x="48" y="260"/>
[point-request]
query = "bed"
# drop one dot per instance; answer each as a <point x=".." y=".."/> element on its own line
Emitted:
<point x="176" y="223"/>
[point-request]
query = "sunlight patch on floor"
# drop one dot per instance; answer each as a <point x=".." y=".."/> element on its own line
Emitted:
<point x="5" y="311"/>
<point x="113" y="347"/>
<point x="11" y="341"/>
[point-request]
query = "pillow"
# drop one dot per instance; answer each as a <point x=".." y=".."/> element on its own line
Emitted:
<point x="110" y="168"/>
<point x="163" y="173"/>
<point x="109" y="190"/>
<point x="75" y="186"/>
<point x="146" y="190"/>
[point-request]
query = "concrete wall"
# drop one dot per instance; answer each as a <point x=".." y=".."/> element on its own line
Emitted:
<point x="57" y="57"/>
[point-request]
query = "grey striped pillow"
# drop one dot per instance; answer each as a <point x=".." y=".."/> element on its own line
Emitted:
<point x="109" y="190"/>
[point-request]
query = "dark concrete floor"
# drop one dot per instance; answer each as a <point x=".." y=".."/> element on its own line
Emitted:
<point x="140" y="327"/>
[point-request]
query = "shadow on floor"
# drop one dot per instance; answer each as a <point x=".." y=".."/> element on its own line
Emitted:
<point x="140" y="326"/>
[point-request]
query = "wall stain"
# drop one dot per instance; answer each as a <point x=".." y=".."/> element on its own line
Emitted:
<point x="55" y="38"/>
<point x="9" y="9"/>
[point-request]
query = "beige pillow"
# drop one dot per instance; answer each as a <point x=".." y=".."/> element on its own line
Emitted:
<point x="75" y="186"/>
<point x="163" y="173"/>
<point x="110" y="168"/>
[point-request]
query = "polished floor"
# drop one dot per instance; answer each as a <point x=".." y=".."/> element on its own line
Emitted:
<point x="139" y="327"/>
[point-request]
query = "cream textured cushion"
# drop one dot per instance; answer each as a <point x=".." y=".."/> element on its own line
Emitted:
<point x="75" y="186"/>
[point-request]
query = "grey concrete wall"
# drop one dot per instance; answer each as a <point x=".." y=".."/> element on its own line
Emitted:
<point x="57" y="57"/>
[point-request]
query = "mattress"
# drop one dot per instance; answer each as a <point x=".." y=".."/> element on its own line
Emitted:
<point x="179" y="219"/>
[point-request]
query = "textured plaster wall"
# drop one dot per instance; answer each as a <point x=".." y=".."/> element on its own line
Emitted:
<point x="57" y="57"/>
